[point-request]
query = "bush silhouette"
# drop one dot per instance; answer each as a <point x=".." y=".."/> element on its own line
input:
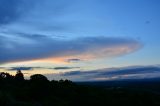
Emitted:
<point x="19" y="76"/>
<point x="38" y="77"/>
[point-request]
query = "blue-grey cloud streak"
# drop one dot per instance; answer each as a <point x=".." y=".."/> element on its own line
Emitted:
<point x="137" y="72"/>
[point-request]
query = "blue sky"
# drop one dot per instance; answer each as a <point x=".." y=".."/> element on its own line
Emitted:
<point x="85" y="35"/>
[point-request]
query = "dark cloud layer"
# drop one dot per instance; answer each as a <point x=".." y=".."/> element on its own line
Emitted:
<point x="73" y="60"/>
<point x="139" y="70"/>
<point x="31" y="68"/>
<point x="115" y="73"/>
<point x="65" y="68"/>
<point x="20" y="68"/>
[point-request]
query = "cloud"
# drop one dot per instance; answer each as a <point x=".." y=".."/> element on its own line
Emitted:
<point x="20" y="68"/>
<point x="73" y="60"/>
<point x="72" y="73"/>
<point x="64" y="68"/>
<point x="39" y="47"/>
<point x="139" y="72"/>
<point x="32" y="68"/>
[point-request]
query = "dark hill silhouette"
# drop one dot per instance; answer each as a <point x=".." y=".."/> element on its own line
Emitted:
<point x="39" y="91"/>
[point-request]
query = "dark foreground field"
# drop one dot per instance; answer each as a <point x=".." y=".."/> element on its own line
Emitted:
<point x="38" y="91"/>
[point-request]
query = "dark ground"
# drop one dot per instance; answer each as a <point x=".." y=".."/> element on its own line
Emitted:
<point x="39" y="91"/>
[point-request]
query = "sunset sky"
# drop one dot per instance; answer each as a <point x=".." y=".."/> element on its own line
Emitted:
<point x="81" y="40"/>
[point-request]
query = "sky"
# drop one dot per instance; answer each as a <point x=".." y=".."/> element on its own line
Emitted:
<point x="81" y="40"/>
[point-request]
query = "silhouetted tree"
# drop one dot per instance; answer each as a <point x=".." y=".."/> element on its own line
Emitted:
<point x="19" y="75"/>
<point x="6" y="76"/>
<point x="39" y="86"/>
<point x="38" y="77"/>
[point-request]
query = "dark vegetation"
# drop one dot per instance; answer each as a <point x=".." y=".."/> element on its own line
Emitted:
<point x="39" y="91"/>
